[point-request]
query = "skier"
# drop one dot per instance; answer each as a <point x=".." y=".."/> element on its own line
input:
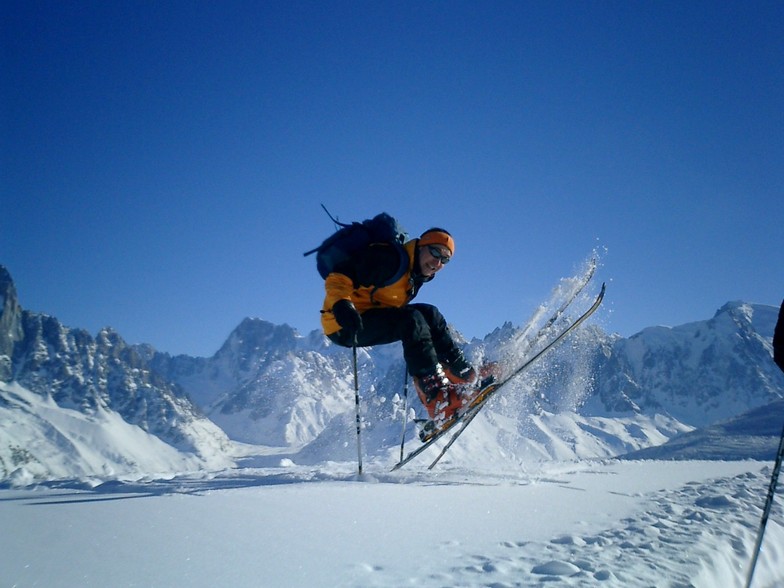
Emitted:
<point x="357" y="311"/>
<point x="778" y="339"/>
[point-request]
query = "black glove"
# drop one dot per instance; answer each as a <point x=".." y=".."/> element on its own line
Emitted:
<point x="348" y="318"/>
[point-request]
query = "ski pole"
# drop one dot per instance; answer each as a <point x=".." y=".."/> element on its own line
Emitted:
<point x="768" y="505"/>
<point x="356" y="404"/>
<point x="405" y="411"/>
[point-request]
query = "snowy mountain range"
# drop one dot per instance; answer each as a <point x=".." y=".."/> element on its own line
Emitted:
<point x="73" y="405"/>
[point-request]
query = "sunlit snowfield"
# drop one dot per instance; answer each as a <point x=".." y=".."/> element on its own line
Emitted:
<point x="602" y="523"/>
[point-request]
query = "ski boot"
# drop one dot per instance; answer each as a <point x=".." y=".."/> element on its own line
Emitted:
<point x="440" y="396"/>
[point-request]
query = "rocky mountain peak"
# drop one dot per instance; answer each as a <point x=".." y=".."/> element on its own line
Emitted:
<point x="6" y="281"/>
<point x="699" y="372"/>
<point x="10" y="323"/>
<point x="253" y="341"/>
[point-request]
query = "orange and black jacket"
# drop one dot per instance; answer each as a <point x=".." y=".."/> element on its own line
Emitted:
<point x="380" y="276"/>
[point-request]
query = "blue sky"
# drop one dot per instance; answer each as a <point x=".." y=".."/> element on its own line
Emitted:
<point x="163" y="163"/>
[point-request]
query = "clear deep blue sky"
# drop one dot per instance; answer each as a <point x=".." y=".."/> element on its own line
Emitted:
<point x="163" y="162"/>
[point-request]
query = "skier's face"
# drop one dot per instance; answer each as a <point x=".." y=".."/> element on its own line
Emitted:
<point x="432" y="258"/>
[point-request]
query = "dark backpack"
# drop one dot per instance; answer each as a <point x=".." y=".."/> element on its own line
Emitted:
<point x="350" y="239"/>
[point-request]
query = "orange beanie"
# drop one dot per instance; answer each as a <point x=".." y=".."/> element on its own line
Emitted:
<point x="438" y="237"/>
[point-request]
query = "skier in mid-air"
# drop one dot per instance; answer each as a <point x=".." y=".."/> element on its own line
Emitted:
<point x="368" y="302"/>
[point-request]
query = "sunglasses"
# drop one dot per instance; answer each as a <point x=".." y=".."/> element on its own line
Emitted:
<point x="436" y="252"/>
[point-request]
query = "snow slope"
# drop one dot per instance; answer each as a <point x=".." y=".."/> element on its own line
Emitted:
<point x="41" y="440"/>
<point x="590" y="523"/>
<point x="752" y="435"/>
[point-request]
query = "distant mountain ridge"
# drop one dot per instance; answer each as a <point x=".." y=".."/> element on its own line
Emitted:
<point x="91" y="376"/>
<point x="699" y="373"/>
<point x="601" y="395"/>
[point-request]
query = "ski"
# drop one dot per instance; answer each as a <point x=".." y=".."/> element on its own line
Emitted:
<point x="474" y="410"/>
<point x="490" y="389"/>
<point x="543" y="331"/>
<point x="578" y="288"/>
<point x="581" y="284"/>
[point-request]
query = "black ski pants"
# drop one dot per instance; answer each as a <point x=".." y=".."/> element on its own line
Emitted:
<point x="420" y="327"/>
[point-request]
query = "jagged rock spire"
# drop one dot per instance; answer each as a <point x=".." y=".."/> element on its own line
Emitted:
<point x="10" y="323"/>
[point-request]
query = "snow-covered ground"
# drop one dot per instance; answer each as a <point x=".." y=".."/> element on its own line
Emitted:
<point x="581" y="523"/>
